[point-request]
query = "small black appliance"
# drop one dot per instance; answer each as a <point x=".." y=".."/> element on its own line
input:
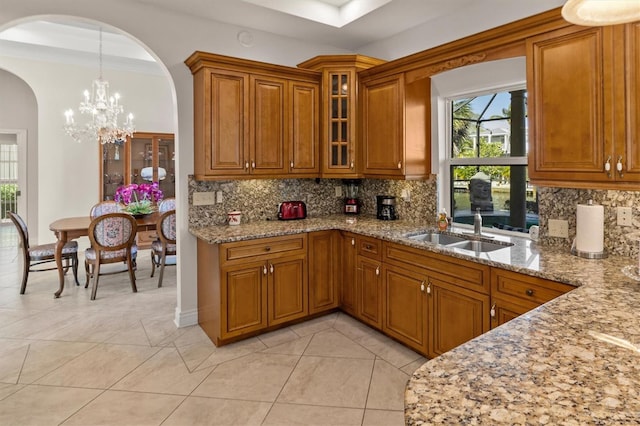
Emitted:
<point x="386" y="207"/>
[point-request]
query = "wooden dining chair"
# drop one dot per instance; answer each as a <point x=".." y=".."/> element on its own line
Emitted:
<point x="167" y="204"/>
<point x="104" y="207"/>
<point x="44" y="253"/>
<point x="165" y="245"/>
<point x="112" y="237"/>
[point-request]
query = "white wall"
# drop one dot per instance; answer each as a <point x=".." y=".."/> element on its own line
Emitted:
<point x="19" y="111"/>
<point x="172" y="38"/>
<point x="68" y="178"/>
<point x="479" y="16"/>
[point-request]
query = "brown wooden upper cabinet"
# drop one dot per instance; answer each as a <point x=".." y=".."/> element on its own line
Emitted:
<point x="583" y="106"/>
<point x="396" y="118"/>
<point x="339" y="109"/>
<point x="254" y="119"/>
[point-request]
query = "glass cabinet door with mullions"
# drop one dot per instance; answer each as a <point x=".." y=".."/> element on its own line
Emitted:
<point x="143" y="158"/>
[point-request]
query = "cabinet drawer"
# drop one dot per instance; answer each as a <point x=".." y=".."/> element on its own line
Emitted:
<point x="508" y="284"/>
<point x="237" y="252"/>
<point x="471" y="275"/>
<point x="370" y="247"/>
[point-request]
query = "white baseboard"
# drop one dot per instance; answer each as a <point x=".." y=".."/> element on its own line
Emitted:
<point x="186" y="318"/>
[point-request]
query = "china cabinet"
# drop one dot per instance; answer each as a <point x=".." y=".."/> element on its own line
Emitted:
<point x="143" y="158"/>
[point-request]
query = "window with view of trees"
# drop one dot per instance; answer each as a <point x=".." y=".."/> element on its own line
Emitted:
<point x="488" y="160"/>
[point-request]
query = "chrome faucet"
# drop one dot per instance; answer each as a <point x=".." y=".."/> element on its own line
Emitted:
<point x="477" y="224"/>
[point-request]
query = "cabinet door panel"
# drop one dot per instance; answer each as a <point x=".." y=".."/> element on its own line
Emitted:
<point x="505" y="311"/>
<point x="566" y="81"/>
<point x="339" y="126"/>
<point x="370" y="292"/>
<point x="268" y="125"/>
<point x="406" y="307"/>
<point x="323" y="271"/>
<point x="243" y="299"/>
<point x="287" y="289"/>
<point x="228" y="123"/>
<point x="304" y="138"/>
<point x="457" y="316"/>
<point x="383" y="127"/>
<point x="631" y="95"/>
<point x="348" y="297"/>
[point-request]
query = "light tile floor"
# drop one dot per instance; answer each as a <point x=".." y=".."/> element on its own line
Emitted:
<point x="121" y="360"/>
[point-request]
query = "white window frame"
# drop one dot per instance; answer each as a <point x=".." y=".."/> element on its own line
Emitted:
<point x="447" y="161"/>
<point x="484" y="77"/>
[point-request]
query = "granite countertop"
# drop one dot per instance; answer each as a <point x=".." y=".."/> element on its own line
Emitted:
<point x="553" y="365"/>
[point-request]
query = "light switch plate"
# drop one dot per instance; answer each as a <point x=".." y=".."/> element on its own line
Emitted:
<point x="558" y="228"/>
<point x="625" y="216"/>
<point x="338" y="190"/>
<point x="204" y="198"/>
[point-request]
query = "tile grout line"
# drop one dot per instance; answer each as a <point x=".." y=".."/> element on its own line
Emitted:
<point x="289" y="376"/>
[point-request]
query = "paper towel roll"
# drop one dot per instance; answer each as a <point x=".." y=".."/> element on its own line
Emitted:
<point x="590" y="228"/>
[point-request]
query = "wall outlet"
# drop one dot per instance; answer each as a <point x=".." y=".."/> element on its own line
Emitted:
<point x="219" y="197"/>
<point x="625" y="216"/>
<point x="406" y="195"/>
<point x="338" y="190"/>
<point x="204" y="198"/>
<point x="558" y="228"/>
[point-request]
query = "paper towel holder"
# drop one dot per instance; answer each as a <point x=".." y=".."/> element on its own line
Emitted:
<point x="587" y="254"/>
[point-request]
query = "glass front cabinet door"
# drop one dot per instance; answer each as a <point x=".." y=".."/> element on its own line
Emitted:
<point x="114" y="168"/>
<point x="144" y="158"/>
<point x="153" y="160"/>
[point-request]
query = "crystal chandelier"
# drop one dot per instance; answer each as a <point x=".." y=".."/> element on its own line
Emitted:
<point x="104" y="111"/>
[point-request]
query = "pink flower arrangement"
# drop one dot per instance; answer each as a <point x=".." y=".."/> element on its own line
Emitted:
<point x="138" y="199"/>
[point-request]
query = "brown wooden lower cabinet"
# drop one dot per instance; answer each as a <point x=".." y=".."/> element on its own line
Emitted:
<point x="248" y="286"/>
<point x="513" y="294"/>
<point x="428" y="301"/>
<point x="503" y="311"/>
<point x="406" y="313"/>
<point x="243" y="298"/>
<point x="457" y="315"/>
<point x="324" y="271"/>
<point x="369" y="292"/>
<point x="287" y="289"/>
<point x="348" y="266"/>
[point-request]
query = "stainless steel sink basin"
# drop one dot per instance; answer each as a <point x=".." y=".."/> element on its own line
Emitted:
<point x="436" y="238"/>
<point x="479" y="246"/>
<point x="459" y="241"/>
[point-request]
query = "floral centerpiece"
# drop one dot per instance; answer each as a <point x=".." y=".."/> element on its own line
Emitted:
<point x="139" y="199"/>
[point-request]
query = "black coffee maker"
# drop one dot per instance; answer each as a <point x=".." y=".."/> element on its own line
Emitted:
<point x="386" y="207"/>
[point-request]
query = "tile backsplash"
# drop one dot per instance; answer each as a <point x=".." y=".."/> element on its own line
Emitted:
<point x="561" y="203"/>
<point x="258" y="199"/>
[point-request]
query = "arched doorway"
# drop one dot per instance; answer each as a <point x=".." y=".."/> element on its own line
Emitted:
<point x="57" y="56"/>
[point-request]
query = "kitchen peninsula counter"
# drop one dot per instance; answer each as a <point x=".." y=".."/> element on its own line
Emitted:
<point x="551" y="365"/>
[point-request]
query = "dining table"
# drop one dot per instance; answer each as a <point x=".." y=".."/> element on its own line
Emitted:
<point x="70" y="228"/>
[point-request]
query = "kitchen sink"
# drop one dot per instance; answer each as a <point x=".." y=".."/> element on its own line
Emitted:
<point x="479" y="246"/>
<point x="437" y="238"/>
<point x="459" y="241"/>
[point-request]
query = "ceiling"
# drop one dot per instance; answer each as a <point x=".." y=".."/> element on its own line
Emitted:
<point x="345" y="24"/>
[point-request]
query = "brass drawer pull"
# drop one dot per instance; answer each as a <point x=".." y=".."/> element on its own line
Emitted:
<point x="267" y="248"/>
<point x="529" y="292"/>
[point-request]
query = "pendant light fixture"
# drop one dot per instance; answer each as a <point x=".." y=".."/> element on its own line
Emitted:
<point x="601" y="12"/>
<point x="103" y="110"/>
